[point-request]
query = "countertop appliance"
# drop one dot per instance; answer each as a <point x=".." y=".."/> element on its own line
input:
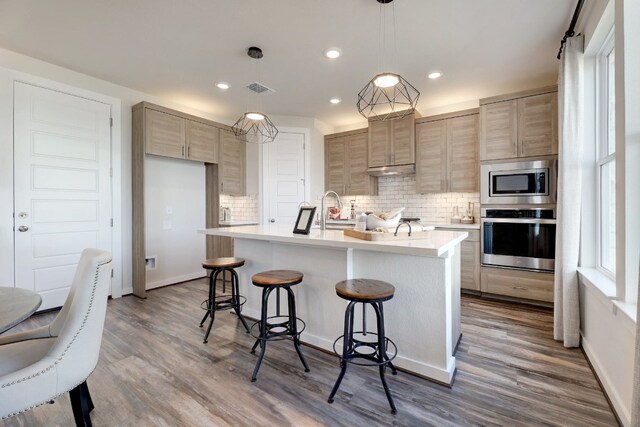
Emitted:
<point x="519" y="238"/>
<point x="519" y="182"/>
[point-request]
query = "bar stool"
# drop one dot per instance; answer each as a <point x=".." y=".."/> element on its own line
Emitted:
<point x="277" y="327"/>
<point x="361" y="351"/>
<point x="222" y="302"/>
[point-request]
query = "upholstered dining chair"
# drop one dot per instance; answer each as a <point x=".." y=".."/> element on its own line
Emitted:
<point x="39" y="365"/>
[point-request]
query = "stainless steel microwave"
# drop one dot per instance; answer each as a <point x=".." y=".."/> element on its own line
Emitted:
<point x="519" y="182"/>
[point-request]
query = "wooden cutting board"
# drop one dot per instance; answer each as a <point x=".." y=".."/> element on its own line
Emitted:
<point x="378" y="235"/>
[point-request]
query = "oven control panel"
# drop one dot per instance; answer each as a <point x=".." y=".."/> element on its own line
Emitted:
<point x="519" y="213"/>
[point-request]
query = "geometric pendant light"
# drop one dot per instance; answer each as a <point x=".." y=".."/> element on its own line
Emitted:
<point x="387" y="95"/>
<point x="255" y="126"/>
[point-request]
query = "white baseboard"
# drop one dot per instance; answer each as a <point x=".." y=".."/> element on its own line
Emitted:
<point x="176" y="279"/>
<point x="622" y="411"/>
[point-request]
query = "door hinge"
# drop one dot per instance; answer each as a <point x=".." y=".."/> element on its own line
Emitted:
<point x="111" y="222"/>
<point x="111" y="122"/>
<point x="112" y="273"/>
<point x="111" y="172"/>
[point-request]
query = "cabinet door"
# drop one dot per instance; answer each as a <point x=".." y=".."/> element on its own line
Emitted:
<point x="431" y="157"/>
<point x="499" y="130"/>
<point x="164" y="134"/>
<point x="335" y="165"/>
<point x="379" y="143"/>
<point x="359" y="182"/>
<point x="538" y="125"/>
<point x="463" y="164"/>
<point x="202" y="142"/>
<point x="403" y="141"/>
<point x="470" y="265"/>
<point x="232" y="164"/>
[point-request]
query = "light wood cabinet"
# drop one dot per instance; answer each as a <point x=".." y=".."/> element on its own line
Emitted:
<point x="529" y="285"/>
<point x="173" y="135"/>
<point x="469" y="259"/>
<point x="522" y="125"/>
<point x="447" y="153"/>
<point x="165" y="134"/>
<point x="392" y="142"/>
<point x="346" y="164"/>
<point x="202" y="141"/>
<point x="232" y="166"/>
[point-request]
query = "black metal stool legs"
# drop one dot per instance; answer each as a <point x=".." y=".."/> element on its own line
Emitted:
<point x="383" y="360"/>
<point x="346" y="347"/>
<point x="235" y="296"/>
<point x="212" y="304"/>
<point x="263" y="332"/>
<point x="293" y="327"/>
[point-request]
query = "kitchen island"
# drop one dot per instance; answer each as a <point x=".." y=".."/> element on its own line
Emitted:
<point x="423" y="318"/>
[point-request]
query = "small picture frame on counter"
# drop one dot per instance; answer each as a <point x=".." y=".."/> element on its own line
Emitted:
<point x="305" y="219"/>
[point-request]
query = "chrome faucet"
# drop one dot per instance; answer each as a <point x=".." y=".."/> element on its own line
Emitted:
<point x="323" y="213"/>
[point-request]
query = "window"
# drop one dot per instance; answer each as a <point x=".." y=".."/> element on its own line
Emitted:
<point x="606" y="159"/>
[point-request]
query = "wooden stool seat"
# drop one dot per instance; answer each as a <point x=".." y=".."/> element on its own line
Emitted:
<point x="277" y="278"/>
<point x="224" y="262"/>
<point x="365" y="290"/>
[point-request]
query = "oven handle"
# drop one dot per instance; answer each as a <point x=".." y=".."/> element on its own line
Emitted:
<point x="520" y="220"/>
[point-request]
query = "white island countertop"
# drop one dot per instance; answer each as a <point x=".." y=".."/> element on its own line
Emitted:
<point x="435" y="244"/>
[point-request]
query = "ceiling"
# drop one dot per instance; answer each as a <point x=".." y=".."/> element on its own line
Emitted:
<point x="178" y="49"/>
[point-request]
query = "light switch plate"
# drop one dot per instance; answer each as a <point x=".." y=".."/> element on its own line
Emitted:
<point x="169" y="210"/>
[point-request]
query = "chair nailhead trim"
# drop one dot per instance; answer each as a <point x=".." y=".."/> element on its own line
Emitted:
<point x="58" y="360"/>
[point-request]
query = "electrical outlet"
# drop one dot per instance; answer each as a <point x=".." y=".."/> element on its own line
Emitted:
<point x="166" y="225"/>
<point x="169" y="210"/>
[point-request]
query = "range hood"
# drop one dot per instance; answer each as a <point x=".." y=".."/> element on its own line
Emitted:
<point x="392" y="170"/>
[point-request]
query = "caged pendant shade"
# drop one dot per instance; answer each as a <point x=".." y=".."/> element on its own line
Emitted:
<point x="387" y="95"/>
<point x="254" y="126"/>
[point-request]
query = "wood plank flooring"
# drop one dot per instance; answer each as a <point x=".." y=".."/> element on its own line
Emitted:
<point x="154" y="370"/>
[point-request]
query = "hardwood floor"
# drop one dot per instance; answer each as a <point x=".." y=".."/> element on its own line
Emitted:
<point x="154" y="370"/>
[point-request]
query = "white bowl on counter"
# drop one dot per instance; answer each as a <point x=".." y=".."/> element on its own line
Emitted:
<point x="373" y="221"/>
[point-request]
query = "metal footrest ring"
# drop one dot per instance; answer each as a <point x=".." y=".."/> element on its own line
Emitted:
<point x="224" y="302"/>
<point x="366" y="359"/>
<point x="284" y="331"/>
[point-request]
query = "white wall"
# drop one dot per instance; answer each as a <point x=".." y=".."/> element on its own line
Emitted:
<point x="174" y="204"/>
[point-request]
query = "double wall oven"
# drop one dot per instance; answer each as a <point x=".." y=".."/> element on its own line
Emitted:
<point x="518" y="215"/>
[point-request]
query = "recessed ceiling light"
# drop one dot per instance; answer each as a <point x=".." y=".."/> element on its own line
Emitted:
<point x="335" y="100"/>
<point x="435" y="75"/>
<point x="223" y="85"/>
<point x="333" y="53"/>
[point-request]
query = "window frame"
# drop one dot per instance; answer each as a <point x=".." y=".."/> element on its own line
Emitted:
<point x="602" y="141"/>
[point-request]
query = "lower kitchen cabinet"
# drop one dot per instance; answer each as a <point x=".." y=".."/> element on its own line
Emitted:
<point x="529" y="285"/>
<point x="469" y="259"/>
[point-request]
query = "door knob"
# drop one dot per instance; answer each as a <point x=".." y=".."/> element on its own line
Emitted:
<point x="272" y="220"/>
<point x="23" y="228"/>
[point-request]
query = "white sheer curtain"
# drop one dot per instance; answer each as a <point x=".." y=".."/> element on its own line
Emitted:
<point x="570" y="123"/>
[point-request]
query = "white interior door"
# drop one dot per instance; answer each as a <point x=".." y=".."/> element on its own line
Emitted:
<point x="62" y="187"/>
<point x="285" y="177"/>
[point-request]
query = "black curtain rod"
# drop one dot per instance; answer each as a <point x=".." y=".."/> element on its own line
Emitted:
<point x="571" y="31"/>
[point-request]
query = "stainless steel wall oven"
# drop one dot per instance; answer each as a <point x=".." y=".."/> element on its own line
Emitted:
<point x="519" y="238"/>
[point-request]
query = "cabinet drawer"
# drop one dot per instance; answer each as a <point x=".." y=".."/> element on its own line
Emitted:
<point x="518" y="283"/>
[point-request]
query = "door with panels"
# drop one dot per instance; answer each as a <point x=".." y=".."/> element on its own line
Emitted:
<point x="285" y="177"/>
<point x="62" y="187"/>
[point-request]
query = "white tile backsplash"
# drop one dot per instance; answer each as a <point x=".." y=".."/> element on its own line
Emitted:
<point x="242" y="208"/>
<point x="399" y="191"/>
<point x="393" y="192"/>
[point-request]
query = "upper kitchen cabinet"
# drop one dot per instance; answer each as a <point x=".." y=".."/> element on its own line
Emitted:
<point x="164" y="134"/>
<point x="202" y="141"/>
<point x="522" y="124"/>
<point x="346" y="164"/>
<point x="447" y="153"/>
<point x="171" y="133"/>
<point x="392" y="142"/>
<point x="232" y="165"/>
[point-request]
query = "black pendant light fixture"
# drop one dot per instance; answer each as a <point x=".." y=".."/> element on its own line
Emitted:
<point x="255" y="126"/>
<point x="388" y="95"/>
